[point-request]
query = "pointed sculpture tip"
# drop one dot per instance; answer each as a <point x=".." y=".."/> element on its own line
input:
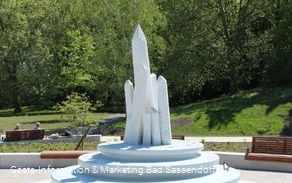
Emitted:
<point x="128" y="82"/>
<point x="161" y="79"/>
<point x="139" y="33"/>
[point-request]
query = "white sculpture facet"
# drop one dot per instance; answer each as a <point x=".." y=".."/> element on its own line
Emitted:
<point x="155" y="133"/>
<point x="154" y="90"/>
<point x="147" y="129"/>
<point x="129" y="97"/>
<point x="146" y="123"/>
<point x="164" y="118"/>
<point x="155" y="130"/>
<point x="134" y="127"/>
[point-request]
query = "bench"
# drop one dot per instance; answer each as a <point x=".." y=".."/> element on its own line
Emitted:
<point x="175" y="137"/>
<point x="29" y="134"/>
<point x="63" y="154"/>
<point x="276" y="149"/>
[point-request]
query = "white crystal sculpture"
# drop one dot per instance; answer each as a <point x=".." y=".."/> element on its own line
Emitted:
<point x="148" y="120"/>
<point x="147" y="154"/>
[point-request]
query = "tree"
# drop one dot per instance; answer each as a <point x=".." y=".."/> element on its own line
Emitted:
<point x="215" y="46"/>
<point x="19" y="46"/>
<point x="279" y="68"/>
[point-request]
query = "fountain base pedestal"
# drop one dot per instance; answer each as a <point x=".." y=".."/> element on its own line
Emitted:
<point x="180" y="162"/>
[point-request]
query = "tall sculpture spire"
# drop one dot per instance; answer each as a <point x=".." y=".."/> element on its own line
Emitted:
<point x="148" y="121"/>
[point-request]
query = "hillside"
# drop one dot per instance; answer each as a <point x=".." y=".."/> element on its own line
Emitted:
<point x="254" y="112"/>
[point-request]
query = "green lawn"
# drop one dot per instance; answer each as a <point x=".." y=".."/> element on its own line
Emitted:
<point x="254" y="112"/>
<point x="50" y="120"/>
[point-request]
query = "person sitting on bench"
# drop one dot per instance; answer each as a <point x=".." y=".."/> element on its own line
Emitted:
<point x="17" y="127"/>
<point x="37" y="126"/>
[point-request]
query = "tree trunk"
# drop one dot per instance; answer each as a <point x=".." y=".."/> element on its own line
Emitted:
<point x="15" y="90"/>
<point x="17" y="107"/>
<point x="233" y="86"/>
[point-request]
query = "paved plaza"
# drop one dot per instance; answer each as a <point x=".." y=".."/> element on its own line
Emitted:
<point x="12" y="176"/>
<point x="9" y="176"/>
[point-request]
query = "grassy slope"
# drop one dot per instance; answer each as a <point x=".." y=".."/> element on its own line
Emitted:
<point x="254" y="112"/>
<point x="259" y="111"/>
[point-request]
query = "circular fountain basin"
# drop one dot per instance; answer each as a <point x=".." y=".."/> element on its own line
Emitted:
<point x="178" y="150"/>
<point x="98" y="165"/>
<point x="75" y="175"/>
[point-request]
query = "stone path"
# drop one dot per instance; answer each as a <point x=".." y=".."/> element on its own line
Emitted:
<point x="114" y="118"/>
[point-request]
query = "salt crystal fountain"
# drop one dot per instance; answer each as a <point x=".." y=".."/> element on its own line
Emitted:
<point x="147" y="154"/>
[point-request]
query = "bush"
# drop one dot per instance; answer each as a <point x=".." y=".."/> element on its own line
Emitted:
<point x="76" y="109"/>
